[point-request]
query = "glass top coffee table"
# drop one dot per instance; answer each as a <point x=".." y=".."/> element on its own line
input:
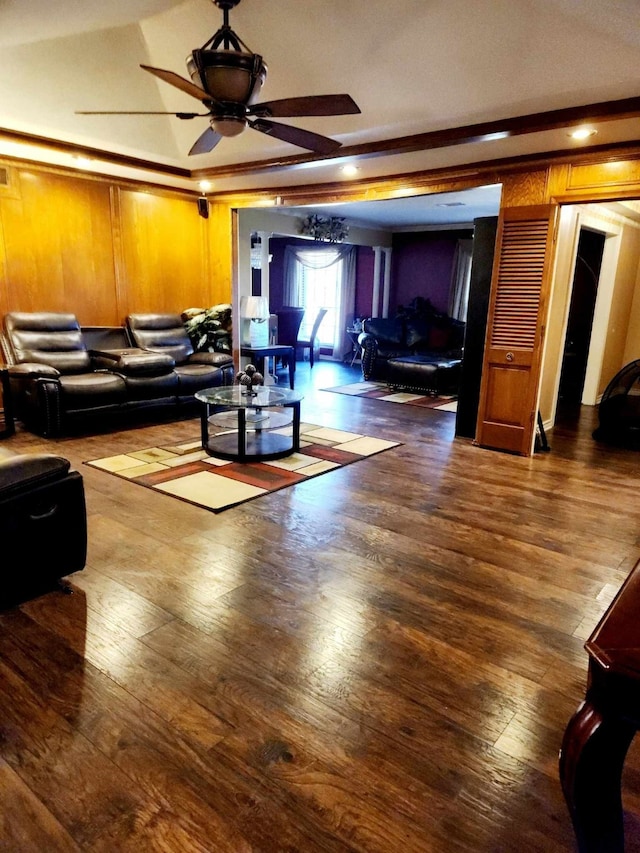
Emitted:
<point x="240" y="426"/>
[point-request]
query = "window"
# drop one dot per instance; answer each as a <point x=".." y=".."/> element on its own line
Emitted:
<point x="319" y="287"/>
<point x="323" y="277"/>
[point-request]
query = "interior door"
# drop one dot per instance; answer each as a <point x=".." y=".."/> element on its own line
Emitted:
<point x="584" y="290"/>
<point x="521" y="282"/>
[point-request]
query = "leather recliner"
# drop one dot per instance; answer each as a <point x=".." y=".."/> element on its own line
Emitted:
<point x="42" y="510"/>
<point x="52" y="375"/>
<point x="165" y="334"/>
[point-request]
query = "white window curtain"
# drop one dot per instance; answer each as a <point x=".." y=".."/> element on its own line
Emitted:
<point x="296" y="257"/>
<point x="460" y="280"/>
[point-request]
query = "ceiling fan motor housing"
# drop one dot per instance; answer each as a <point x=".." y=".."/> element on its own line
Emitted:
<point x="228" y="75"/>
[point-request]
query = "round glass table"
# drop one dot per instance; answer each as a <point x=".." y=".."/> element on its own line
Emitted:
<point x="241" y="426"/>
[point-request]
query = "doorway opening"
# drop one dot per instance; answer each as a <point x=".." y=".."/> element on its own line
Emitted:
<point x="584" y="290"/>
<point x="594" y="312"/>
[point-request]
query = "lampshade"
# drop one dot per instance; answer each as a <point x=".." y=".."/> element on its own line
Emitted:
<point x="255" y="307"/>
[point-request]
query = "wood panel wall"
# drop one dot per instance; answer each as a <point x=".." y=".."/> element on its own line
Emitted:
<point x="101" y="249"/>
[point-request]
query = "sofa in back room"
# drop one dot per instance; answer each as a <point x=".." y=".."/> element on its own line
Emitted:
<point x="416" y="352"/>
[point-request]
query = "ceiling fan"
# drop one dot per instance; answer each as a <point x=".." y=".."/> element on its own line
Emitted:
<point x="227" y="78"/>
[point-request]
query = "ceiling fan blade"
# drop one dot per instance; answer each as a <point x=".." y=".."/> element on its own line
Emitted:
<point x="136" y="113"/>
<point x="206" y="142"/>
<point x="296" y="136"/>
<point x="179" y="82"/>
<point x="312" y="105"/>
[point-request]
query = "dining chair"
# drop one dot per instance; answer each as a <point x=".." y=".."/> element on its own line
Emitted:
<point x="289" y="320"/>
<point x="309" y="344"/>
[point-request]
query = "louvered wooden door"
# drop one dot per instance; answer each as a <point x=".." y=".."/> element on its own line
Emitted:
<point x="513" y="350"/>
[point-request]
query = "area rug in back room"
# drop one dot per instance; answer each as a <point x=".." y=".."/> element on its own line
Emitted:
<point x="381" y="391"/>
<point x="185" y="471"/>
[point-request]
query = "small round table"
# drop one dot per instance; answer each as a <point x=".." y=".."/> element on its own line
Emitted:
<point x="240" y="426"/>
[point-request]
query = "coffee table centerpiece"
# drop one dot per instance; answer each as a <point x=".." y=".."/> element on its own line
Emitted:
<point x="250" y="379"/>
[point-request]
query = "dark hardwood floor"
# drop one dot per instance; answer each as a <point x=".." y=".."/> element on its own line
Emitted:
<point x="380" y="659"/>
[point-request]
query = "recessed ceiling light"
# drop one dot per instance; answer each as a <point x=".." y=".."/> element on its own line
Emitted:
<point x="582" y="133"/>
<point x="83" y="162"/>
<point x="205" y="186"/>
<point x="350" y="170"/>
<point x="499" y="134"/>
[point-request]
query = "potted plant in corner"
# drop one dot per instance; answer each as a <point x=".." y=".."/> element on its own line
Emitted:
<point x="209" y="329"/>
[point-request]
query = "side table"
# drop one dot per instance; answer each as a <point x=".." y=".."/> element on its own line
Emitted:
<point x="356" y="349"/>
<point x="599" y="734"/>
<point x="277" y="350"/>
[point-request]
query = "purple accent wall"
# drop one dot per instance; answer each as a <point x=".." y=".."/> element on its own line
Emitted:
<point x="421" y="265"/>
<point x="364" y="281"/>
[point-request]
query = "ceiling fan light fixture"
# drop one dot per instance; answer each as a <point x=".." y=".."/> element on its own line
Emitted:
<point x="228" y="75"/>
<point x="228" y="125"/>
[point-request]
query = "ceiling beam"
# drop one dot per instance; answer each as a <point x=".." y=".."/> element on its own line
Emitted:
<point x="515" y="126"/>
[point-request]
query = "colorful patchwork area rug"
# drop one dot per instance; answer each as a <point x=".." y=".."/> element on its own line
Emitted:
<point x="381" y="391"/>
<point x="187" y="472"/>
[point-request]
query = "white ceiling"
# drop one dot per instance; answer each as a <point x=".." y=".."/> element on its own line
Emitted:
<point x="413" y="66"/>
<point x="439" y="210"/>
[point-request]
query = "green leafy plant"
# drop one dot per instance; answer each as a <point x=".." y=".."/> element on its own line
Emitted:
<point x="209" y="329"/>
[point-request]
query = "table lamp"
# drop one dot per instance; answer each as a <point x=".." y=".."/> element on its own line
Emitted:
<point x="254" y="311"/>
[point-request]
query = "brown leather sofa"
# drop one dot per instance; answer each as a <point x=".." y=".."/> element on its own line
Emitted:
<point x="42" y="510"/>
<point x="61" y="376"/>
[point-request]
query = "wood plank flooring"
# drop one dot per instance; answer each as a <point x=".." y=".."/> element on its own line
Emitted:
<point x="381" y="659"/>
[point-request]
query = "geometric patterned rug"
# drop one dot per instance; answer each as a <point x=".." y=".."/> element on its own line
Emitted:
<point x="381" y="391"/>
<point x="187" y="472"/>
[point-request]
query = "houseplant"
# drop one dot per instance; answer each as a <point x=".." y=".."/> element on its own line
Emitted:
<point x="209" y="329"/>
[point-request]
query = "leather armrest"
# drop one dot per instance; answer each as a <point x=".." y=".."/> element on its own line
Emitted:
<point x="25" y="471"/>
<point x="216" y="359"/>
<point x="363" y="337"/>
<point x="33" y="370"/>
<point x="132" y="361"/>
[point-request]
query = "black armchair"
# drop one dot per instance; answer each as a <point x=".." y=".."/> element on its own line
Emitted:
<point x="42" y="511"/>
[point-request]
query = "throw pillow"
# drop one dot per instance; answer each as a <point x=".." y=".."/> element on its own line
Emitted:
<point x="439" y="338"/>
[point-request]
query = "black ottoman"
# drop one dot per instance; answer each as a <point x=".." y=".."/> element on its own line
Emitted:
<point x="424" y="373"/>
